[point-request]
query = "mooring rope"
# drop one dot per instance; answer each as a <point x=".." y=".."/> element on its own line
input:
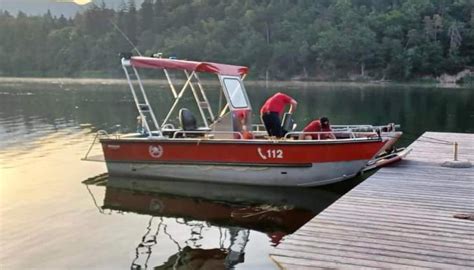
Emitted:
<point x="437" y="141"/>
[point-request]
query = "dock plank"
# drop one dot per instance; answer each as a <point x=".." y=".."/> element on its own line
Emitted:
<point x="460" y="252"/>
<point x="415" y="257"/>
<point x="400" y="217"/>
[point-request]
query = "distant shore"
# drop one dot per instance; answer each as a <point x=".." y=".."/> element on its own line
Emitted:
<point x="290" y="83"/>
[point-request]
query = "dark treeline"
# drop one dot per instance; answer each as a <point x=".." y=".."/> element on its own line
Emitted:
<point x="305" y="39"/>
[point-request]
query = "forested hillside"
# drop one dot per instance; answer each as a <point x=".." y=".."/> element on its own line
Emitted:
<point x="303" y="39"/>
<point x="68" y="8"/>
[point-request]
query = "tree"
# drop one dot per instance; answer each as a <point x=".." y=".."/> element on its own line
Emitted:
<point x="455" y="38"/>
<point x="396" y="39"/>
<point x="146" y="15"/>
<point x="130" y="23"/>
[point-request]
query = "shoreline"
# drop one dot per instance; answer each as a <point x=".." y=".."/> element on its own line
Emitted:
<point x="290" y="83"/>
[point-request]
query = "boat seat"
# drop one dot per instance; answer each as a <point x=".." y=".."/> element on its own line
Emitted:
<point x="187" y="120"/>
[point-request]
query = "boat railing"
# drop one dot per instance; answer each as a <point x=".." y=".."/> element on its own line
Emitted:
<point x="348" y="134"/>
<point x="319" y="133"/>
<point x="98" y="135"/>
<point x="207" y="132"/>
<point x="259" y="127"/>
<point x="352" y="127"/>
<point x="259" y="131"/>
<point x="168" y="126"/>
<point x="389" y="127"/>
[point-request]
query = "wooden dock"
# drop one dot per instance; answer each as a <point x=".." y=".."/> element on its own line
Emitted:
<point x="400" y="217"/>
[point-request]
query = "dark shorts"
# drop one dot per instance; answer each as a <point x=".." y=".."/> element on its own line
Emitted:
<point x="272" y="123"/>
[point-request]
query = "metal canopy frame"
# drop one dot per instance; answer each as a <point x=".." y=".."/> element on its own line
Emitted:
<point x="144" y="106"/>
<point x="199" y="94"/>
<point x="192" y="82"/>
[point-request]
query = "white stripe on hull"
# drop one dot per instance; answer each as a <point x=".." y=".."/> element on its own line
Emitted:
<point x="316" y="175"/>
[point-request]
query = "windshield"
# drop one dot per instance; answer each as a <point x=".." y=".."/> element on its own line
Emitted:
<point x="236" y="95"/>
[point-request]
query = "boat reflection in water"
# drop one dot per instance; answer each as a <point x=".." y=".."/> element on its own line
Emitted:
<point x="231" y="211"/>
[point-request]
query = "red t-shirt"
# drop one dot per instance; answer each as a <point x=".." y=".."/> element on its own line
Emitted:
<point x="315" y="126"/>
<point x="276" y="103"/>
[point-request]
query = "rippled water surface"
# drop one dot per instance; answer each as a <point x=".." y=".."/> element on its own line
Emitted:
<point x="59" y="212"/>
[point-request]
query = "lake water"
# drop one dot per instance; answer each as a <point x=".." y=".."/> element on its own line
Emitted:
<point x="60" y="212"/>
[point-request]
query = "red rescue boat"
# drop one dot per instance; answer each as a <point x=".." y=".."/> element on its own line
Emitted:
<point x="218" y="149"/>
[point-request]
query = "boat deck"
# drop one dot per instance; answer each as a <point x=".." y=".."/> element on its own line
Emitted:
<point x="401" y="217"/>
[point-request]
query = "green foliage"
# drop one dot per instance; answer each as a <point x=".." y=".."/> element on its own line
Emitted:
<point x="340" y="39"/>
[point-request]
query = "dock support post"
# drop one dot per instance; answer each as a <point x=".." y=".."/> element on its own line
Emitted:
<point x="455" y="163"/>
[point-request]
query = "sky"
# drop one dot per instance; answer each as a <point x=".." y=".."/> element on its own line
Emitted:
<point x="57" y="7"/>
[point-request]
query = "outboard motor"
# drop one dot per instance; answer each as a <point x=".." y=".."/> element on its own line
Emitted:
<point x="187" y="120"/>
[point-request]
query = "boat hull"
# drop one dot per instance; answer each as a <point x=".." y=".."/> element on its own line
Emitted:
<point x="314" y="175"/>
<point x="243" y="162"/>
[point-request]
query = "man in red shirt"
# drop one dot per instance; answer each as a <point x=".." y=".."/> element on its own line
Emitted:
<point x="272" y="110"/>
<point x="321" y="125"/>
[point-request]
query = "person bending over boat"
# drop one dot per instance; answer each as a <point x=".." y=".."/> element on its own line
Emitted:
<point x="319" y="125"/>
<point x="272" y="110"/>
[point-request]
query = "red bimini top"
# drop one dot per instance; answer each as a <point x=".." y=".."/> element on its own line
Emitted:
<point x="207" y="67"/>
